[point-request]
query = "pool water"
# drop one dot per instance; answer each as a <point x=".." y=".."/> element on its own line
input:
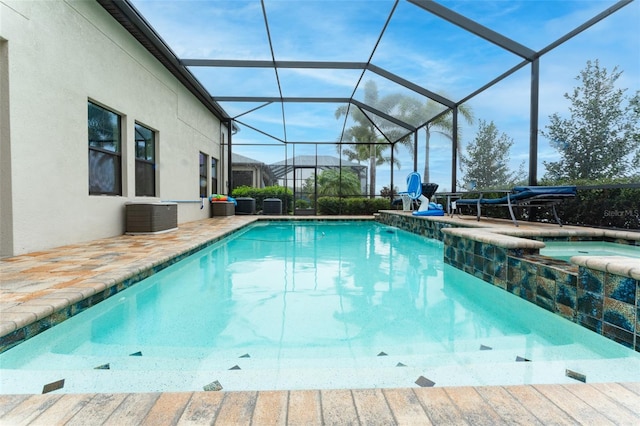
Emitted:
<point x="565" y="250"/>
<point x="312" y="305"/>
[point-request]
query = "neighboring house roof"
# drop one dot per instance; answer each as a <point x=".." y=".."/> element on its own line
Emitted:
<point x="241" y="159"/>
<point x="322" y="161"/>
<point x="282" y="168"/>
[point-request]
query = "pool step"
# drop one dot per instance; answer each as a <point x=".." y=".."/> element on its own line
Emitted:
<point x="484" y="361"/>
<point x="477" y="374"/>
<point x="522" y="345"/>
<point x="489" y="350"/>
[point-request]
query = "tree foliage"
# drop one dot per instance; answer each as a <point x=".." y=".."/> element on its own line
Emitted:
<point x="486" y="163"/>
<point x="367" y="143"/>
<point x="601" y="138"/>
<point x="415" y="112"/>
<point x="334" y="182"/>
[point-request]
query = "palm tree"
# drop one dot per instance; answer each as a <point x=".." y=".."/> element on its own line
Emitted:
<point x="334" y="182"/>
<point x="414" y="111"/>
<point x="366" y="142"/>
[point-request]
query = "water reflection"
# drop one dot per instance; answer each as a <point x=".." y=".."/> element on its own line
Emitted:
<point x="313" y="290"/>
<point x="300" y="286"/>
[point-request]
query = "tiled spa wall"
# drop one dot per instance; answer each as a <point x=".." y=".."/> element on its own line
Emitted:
<point x="609" y="304"/>
<point x="603" y="302"/>
<point x="415" y="225"/>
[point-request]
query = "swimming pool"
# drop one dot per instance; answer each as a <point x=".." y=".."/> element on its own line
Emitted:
<point x="565" y="250"/>
<point x="312" y="305"/>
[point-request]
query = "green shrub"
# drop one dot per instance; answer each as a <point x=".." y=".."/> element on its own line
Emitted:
<point x="601" y="207"/>
<point x="351" y="206"/>
<point x="302" y="204"/>
<point x="330" y="205"/>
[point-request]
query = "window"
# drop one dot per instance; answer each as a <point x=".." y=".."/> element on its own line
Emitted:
<point x="203" y="175"/>
<point x="145" y="162"/>
<point x="214" y="175"/>
<point x="242" y="178"/>
<point x="105" y="161"/>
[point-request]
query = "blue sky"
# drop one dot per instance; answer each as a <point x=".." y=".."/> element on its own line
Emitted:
<point x="416" y="46"/>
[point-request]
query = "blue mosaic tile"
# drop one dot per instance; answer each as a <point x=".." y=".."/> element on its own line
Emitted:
<point x="500" y="271"/>
<point x="468" y="245"/>
<point x="489" y="252"/>
<point x="531" y="281"/>
<point x="514" y="275"/>
<point x="545" y="287"/>
<point x="620" y="288"/>
<point x="530" y="267"/>
<point x="516" y="252"/>
<point x="566" y="312"/>
<point x="587" y="321"/>
<point x="526" y="280"/>
<point x="568" y="279"/>
<point x="546" y="272"/>
<point x="617" y="334"/>
<point x="566" y="295"/>
<point x="619" y="314"/>
<point x="500" y="255"/>
<point x="527" y="295"/>
<point x="513" y="288"/>
<point x="514" y="262"/>
<point x="590" y="303"/>
<point x="617" y="319"/>
<point x="638" y="321"/>
<point x="500" y="283"/>
<point x="545" y="303"/>
<point x="12" y="339"/>
<point x="449" y="252"/>
<point x="478" y="263"/>
<point x="591" y="280"/>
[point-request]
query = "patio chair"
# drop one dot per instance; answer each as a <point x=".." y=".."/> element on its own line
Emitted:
<point x="523" y="196"/>
<point x="413" y="193"/>
<point x="420" y="193"/>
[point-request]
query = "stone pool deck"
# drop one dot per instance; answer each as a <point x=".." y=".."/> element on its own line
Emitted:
<point x="40" y="289"/>
<point x="579" y="404"/>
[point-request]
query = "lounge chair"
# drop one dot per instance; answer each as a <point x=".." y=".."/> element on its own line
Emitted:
<point x="523" y="196"/>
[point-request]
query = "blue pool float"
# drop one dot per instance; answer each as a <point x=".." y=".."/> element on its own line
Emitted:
<point x="433" y="210"/>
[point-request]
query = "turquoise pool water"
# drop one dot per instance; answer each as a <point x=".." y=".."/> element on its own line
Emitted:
<point x="308" y="305"/>
<point x="565" y="250"/>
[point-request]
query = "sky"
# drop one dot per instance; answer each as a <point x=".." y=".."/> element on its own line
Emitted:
<point x="416" y="46"/>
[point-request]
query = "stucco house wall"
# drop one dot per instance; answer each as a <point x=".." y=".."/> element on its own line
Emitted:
<point x="55" y="56"/>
